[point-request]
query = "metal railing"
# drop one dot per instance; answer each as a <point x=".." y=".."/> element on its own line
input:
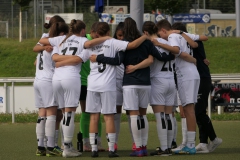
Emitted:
<point x="14" y="80"/>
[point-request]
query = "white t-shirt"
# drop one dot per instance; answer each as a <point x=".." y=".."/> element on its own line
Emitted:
<point x="72" y="46"/>
<point x="185" y="70"/>
<point x="162" y="69"/>
<point x="120" y="72"/>
<point x="44" y="65"/>
<point x="102" y="77"/>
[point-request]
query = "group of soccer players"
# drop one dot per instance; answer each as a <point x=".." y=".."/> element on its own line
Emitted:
<point x="130" y="70"/>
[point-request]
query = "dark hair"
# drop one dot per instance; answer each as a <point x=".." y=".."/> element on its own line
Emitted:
<point x="120" y="26"/>
<point x="130" y="30"/>
<point x="94" y="26"/>
<point x="76" y="26"/>
<point x="102" y="28"/>
<point x="150" y="27"/>
<point x="179" y="26"/>
<point x="53" y="20"/>
<point x="57" y="28"/>
<point x="164" y="24"/>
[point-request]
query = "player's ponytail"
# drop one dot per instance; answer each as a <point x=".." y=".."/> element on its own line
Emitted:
<point x="76" y="27"/>
<point x="58" y="28"/>
<point x="52" y="21"/>
<point x="149" y="27"/>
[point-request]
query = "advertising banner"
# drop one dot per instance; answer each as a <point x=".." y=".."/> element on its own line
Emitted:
<point x="191" y="18"/>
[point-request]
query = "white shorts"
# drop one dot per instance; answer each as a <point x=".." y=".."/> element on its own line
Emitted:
<point x="188" y="91"/>
<point x="136" y="96"/>
<point x="43" y="91"/>
<point x="163" y="91"/>
<point x="101" y="102"/>
<point x="177" y="101"/>
<point x="67" y="92"/>
<point x="119" y="93"/>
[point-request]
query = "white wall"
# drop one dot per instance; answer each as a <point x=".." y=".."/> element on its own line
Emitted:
<point x="24" y="100"/>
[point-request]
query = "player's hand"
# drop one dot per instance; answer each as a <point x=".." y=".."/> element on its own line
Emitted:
<point x="155" y="41"/>
<point x="58" y="64"/>
<point x="93" y="58"/>
<point x="130" y="69"/>
<point x="195" y="62"/>
<point x="48" y="48"/>
<point x="206" y="61"/>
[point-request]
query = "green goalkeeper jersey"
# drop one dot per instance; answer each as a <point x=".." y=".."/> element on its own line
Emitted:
<point x="85" y="70"/>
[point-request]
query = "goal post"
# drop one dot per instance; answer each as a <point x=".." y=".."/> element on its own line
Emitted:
<point x="4" y="28"/>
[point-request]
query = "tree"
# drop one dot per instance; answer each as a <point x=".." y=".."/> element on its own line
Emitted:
<point x="167" y="6"/>
<point x="24" y="6"/>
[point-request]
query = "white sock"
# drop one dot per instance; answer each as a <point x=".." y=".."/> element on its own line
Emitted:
<point x="136" y="130"/>
<point x="144" y="129"/>
<point x="162" y="130"/>
<point x="130" y="129"/>
<point x="191" y="139"/>
<point x="184" y="131"/>
<point x="93" y="141"/>
<point x="40" y="130"/>
<point x="175" y="129"/>
<point x="68" y="129"/>
<point x="50" y="130"/>
<point x="111" y="141"/>
<point x="56" y="137"/>
<point x="117" y="121"/>
<point x="170" y="129"/>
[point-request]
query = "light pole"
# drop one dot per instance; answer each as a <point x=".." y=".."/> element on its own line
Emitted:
<point x="237" y="6"/>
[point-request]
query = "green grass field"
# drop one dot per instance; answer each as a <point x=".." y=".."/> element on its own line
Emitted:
<point x="16" y="58"/>
<point x="18" y="142"/>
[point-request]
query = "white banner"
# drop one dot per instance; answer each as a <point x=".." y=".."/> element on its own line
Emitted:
<point x="116" y="18"/>
<point x="66" y="16"/>
<point x="2" y="100"/>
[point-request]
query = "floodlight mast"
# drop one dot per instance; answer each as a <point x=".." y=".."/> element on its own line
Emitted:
<point x="237" y="7"/>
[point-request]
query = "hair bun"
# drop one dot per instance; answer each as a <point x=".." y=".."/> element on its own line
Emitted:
<point x="46" y="25"/>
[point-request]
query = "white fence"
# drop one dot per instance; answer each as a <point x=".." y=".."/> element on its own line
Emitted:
<point x="15" y="99"/>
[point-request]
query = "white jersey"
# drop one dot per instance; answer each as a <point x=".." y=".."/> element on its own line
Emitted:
<point x="44" y="65"/>
<point x="102" y="77"/>
<point x="72" y="46"/>
<point x="162" y="69"/>
<point x="185" y="70"/>
<point x="120" y="72"/>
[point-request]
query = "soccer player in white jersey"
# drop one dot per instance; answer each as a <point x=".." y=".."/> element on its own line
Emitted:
<point x="44" y="98"/>
<point x="102" y="86"/>
<point x="188" y="81"/>
<point x="66" y="79"/>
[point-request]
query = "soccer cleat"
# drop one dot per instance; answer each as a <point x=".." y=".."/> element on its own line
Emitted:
<point x="112" y="154"/>
<point x="40" y="152"/>
<point x="53" y="153"/>
<point x="214" y="144"/>
<point x="115" y="147"/>
<point x="137" y="153"/>
<point x="100" y="148"/>
<point x="68" y="153"/>
<point x="58" y="148"/>
<point x="144" y="149"/>
<point x="133" y="147"/>
<point x="87" y="147"/>
<point x="201" y="149"/>
<point x="160" y="152"/>
<point x="186" y="150"/>
<point x="180" y="147"/>
<point x="94" y="154"/>
<point x="174" y="145"/>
